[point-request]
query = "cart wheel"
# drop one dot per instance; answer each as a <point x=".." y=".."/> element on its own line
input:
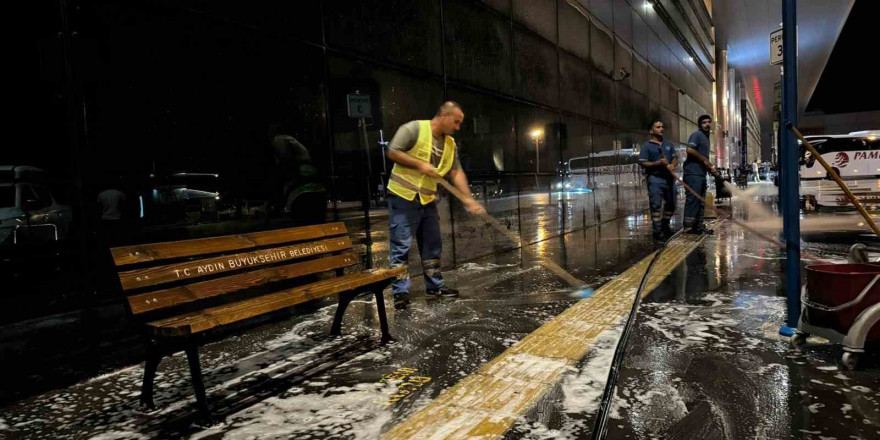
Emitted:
<point x="798" y="340"/>
<point x="849" y="360"/>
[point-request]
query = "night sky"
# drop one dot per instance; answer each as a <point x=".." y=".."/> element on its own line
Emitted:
<point x="849" y="82"/>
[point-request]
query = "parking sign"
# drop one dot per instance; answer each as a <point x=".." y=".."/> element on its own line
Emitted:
<point x="776" y="47"/>
<point x="358" y="106"/>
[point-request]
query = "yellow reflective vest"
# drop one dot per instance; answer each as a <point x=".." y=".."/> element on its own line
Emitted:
<point x="407" y="182"/>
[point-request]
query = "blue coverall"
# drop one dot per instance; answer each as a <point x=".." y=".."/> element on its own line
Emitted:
<point x="661" y="186"/>
<point x="695" y="177"/>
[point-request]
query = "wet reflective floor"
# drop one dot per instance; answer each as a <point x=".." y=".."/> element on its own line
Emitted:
<point x="704" y="360"/>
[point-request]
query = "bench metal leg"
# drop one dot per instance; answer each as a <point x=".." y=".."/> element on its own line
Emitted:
<point x="344" y="300"/>
<point x="195" y="370"/>
<point x="154" y="356"/>
<point x="383" y="319"/>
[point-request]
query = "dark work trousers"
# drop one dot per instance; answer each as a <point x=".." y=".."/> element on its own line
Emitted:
<point x="693" y="207"/>
<point x="408" y="219"/>
<point x="661" y="195"/>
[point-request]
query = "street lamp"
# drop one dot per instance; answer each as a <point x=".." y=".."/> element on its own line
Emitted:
<point x="537" y="134"/>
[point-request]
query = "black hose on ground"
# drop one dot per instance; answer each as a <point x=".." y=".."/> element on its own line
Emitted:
<point x="600" y="426"/>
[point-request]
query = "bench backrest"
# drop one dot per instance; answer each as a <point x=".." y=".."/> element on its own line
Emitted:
<point x="161" y="276"/>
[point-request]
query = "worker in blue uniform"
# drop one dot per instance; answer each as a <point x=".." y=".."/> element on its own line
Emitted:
<point x="695" y="167"/>
<point x="659" y="158"/>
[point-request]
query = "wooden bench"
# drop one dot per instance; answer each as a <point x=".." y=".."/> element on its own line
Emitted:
<point x="186" y="291"/>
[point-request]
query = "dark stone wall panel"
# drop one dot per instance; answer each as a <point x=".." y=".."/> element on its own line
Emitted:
<point x="574" y="83"/>
<point x="537" y="15"/>
<point x="602" y="92"/>
<point x="502" y="6"/>
<point x="487" y="139"/>
<point x="577" y="140"/>
<point x="574" y="30"/>
<point x="536" y="72"/>
<point x="478" y="47"/>
<point x="601" y="48"/>
<point x="640" y="76"/>
<point x="296" y="19"/>
<point x="640" y="35"/>
<point x="398" y="31"/>
<point x="623" y="26"/>
<point x="654" y="84"/>
<point x="623" y="59"/>
<point x="603" y="10"/>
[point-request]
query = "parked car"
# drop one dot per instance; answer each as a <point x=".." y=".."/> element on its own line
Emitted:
<point x="28" y="210"/>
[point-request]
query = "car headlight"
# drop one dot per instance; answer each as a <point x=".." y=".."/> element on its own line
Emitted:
<point x="559" y="185"/>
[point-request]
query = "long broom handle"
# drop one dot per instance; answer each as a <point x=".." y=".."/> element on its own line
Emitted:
<point x="703" y="159"/>
<point x="765" y="237"/>
<point x="737" y="222"/>
<point x="553" y="267"/>
<point x="852" y="197"/>
<point x="489" y="219"/>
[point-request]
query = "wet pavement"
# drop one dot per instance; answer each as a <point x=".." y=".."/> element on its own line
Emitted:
<point x="704" y="360"/>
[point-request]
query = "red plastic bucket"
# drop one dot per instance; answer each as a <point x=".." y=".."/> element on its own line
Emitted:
<point x="835" y="284"/>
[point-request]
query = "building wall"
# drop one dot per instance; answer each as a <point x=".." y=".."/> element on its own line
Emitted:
<point x="722" y="124"/>
<point x="734" y="137"/>
<point x="751" y="130"/>
<point x="125" y="94"/>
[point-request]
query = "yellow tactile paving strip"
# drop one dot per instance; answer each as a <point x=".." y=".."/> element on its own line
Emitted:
<point x="486" y="404"/>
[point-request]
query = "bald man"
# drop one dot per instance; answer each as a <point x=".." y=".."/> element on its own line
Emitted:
<point x="422" y="152"/>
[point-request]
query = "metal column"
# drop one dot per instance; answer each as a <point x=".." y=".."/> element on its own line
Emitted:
<point x="789" y="160"/>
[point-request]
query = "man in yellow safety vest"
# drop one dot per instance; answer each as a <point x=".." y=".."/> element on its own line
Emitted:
<point x="423" y="151"/>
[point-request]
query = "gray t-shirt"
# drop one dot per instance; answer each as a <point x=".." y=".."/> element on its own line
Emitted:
<point x="700" y="142"/>
<point x="111" y="201"/>
<point x="407" y="136"/>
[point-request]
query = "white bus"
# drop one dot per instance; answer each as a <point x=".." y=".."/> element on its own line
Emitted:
<point x="606" y="169"/>
<point x="854" y="157"/>
<point x="598" y="170"/>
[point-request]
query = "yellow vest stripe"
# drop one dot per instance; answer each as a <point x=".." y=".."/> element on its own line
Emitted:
<point x="410" y="186"/>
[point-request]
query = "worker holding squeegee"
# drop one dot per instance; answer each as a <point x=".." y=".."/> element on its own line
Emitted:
<point x="658" y="158"/>
<point x="695" y="167"/>
<point x="423" y="152"/>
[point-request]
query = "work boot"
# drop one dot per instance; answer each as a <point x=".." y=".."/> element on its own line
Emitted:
<point x="656" y="231"/>
<point x="401" y="301"/>
<point x="443" y="292"/>
<point x="664" y="227"/>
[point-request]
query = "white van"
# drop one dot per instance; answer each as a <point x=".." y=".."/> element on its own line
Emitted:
<point x="28" y="211"/>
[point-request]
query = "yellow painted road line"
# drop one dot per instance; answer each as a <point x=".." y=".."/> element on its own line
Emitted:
<point x="487" y="403"/>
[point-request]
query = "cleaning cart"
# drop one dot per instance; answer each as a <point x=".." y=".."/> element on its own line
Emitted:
<point x="841" y="303"/>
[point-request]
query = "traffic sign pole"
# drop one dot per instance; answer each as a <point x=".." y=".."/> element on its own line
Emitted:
<point x="358" y="106"/>
<point x="790" y="169"/>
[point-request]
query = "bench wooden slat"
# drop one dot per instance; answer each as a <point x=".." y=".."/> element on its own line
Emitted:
<point x="238" y="311"/>
<point x="217" y="316"/>
<point x="160" y="299"/>
<point x="178" y="249"/>
<point x="191" y="270"/>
